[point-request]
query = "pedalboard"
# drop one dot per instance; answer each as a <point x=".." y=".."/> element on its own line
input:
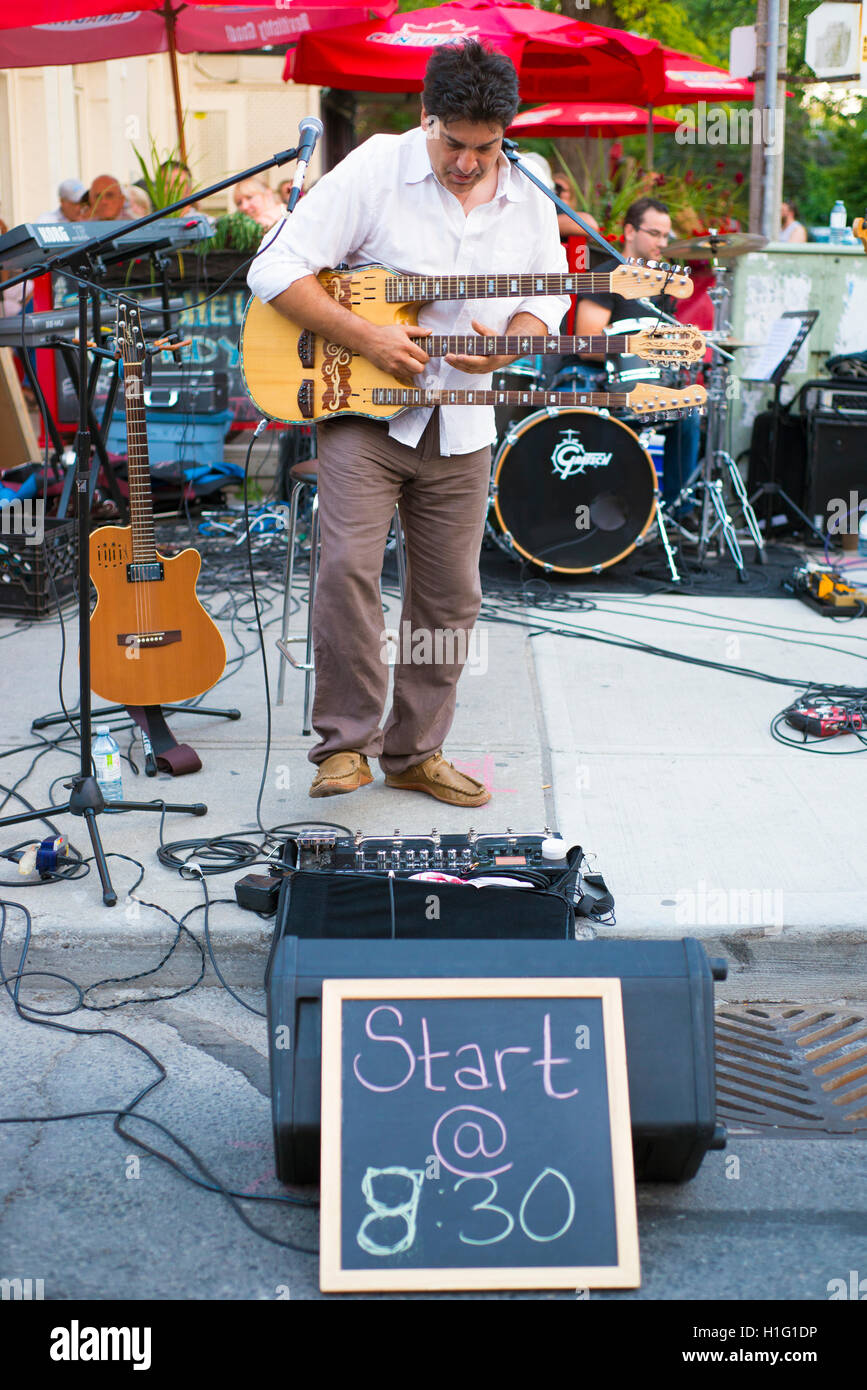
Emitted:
<point x="543" y="858"/>
<point x="405" y="855"/>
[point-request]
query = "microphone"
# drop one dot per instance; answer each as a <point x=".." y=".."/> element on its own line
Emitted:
<point x="310" y="130"/>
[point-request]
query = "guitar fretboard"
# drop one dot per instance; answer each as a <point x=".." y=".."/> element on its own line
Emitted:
<point x="417" y="396"/>
<point x="400" y="289"/>
<point x="646" y="399"/>
<point x="141" y="511"/>
<point x="514" y="345"/>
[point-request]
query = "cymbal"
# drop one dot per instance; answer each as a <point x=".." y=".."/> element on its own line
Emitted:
<point x="724" y="246"/>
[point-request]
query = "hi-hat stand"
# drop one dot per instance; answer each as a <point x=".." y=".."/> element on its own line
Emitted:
<point x="85" y="797"/>
<point x="706" y="485"/>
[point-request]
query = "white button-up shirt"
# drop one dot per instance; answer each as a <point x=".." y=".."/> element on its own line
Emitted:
<point x="384" y="205"/>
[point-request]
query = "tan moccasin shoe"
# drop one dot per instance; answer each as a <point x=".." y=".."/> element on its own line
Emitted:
<point x="342" y="772"/>
<point x="438" y="778"/>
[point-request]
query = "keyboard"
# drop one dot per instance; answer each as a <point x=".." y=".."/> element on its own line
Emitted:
<point x="34" y="242"/>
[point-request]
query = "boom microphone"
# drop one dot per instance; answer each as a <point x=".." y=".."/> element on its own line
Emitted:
<point x="310" y="130"/>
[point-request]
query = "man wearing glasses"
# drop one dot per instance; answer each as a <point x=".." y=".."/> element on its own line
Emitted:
<point x="646" y="234"/>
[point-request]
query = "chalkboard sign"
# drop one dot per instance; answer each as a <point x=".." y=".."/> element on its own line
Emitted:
<point x="475" y="1134"/>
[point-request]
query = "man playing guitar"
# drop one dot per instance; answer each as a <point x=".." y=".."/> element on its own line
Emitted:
<point x="441" y="199"/>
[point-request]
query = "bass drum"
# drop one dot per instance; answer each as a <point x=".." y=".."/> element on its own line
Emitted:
<point x="573" y="491"/>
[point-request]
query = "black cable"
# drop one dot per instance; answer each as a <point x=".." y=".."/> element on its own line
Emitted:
<point x="46" y="1018"/>
<point x="217" y="971"/>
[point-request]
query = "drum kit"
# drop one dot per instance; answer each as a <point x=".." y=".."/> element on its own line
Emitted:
<point x="599" y="500"/>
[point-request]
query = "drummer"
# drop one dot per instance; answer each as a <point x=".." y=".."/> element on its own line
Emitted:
<point x="646" y="233"/>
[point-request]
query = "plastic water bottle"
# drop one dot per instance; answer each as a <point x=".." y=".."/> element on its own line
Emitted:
<point x="106" y="760"/>
<point x="838" y="221"/>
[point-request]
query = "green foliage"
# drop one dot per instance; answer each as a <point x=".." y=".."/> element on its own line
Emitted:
<point x="233" y="232"/>
<point x="164" y="185"/>
<point x="837" y="168"/>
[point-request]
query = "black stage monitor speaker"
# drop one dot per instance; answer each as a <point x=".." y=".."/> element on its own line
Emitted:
<point x="836" y="464"/>
<point x="668" y="1015"/>
<point x="791" y="458"/>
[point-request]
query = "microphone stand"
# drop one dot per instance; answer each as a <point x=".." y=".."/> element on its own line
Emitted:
<point x="510" y="150"/>
<point x="85" y="797"/>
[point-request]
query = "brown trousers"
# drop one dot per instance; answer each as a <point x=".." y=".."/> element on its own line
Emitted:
<point x="443" y="501"/>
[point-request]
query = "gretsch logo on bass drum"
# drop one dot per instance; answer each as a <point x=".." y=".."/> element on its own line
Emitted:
<point x="570" y="456"/>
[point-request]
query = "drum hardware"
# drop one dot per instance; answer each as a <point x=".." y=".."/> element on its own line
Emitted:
<point x="716" y="246"/>
<point x="589" y="509"/>
<point x="706" y="484"/>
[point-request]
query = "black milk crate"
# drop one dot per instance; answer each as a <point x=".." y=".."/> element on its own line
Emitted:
<point x="26" y="570"/>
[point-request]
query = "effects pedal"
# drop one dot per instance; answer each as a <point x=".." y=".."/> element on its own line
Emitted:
<point x="824" y="721"/>
<point x="824" y="588"/>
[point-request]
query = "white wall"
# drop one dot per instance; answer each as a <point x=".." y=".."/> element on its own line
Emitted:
<point x="81" y="121"/>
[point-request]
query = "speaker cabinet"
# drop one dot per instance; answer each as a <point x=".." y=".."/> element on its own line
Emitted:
<point x="836" y="465"/>
<point x="668" y="1015"/>
<point x="791" y="461"/>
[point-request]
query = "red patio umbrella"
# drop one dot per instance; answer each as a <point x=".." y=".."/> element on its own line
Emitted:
<point x="579" y="118"/>
<point x="689" y="79"/>
<point x="553" y="55"/>
<point x="62" y="32"/>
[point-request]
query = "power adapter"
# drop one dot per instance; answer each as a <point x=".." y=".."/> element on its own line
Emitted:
<point x="258" y="892"/>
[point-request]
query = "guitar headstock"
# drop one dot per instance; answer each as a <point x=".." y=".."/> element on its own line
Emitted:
<point x="130" y="338"/>
<point x="636" y="279"/>
<point x="645" y="399"/>
<point x="669" y="344"/>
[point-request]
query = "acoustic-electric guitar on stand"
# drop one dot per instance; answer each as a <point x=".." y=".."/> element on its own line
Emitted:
<point x="152" y="643"/>
<point x="295" y="376"/>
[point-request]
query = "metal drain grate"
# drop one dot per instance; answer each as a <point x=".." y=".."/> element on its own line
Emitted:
<point x="793" y="1067"/>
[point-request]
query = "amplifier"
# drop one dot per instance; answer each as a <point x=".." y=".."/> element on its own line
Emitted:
<point x="842" y="400"/>
<point x="836" y="464"/>
<point x="190" y="390"/>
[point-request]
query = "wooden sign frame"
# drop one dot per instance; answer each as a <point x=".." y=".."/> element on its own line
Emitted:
<point x="334" y="1278"/>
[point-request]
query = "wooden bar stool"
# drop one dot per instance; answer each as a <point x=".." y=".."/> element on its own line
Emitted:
<point x="305" y="479"/>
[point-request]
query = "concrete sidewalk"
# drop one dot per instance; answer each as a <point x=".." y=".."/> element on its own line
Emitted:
<point x="702" y="825"/>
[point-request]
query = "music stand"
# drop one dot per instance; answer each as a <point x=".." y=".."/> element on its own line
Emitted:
<point x="791" y="338"/>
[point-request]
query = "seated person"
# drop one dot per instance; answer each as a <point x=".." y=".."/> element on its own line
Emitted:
<point x="258" y="200"/>
<point x="138" y="200"/>
<point x="106" y="201"/>
<point x="68" y="209"/>
<point x="790" y="228"/>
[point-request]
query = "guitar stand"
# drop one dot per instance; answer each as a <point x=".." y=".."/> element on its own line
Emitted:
<point x="162" y="750"/>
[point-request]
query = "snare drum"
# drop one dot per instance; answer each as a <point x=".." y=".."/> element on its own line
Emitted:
<point x="573" y="490"/>
<point x="524" y="374"/>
